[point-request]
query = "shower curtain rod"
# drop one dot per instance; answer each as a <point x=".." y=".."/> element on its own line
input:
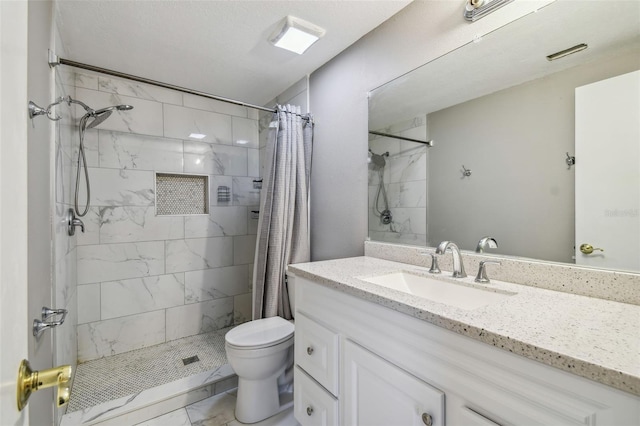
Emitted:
<point x="54" y="61"/>
<point x="388" y="135"/>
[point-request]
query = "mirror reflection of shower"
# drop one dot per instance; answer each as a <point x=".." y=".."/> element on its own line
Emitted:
<point x="377" y="163"/>
<point x="89" y="120"/>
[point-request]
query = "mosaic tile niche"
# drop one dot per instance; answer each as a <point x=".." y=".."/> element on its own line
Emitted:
<point x="181" y="194"/>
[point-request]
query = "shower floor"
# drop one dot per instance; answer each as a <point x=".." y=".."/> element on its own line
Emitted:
<point x="113" y="377"/>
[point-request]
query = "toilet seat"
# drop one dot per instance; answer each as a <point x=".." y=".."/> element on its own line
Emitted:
<point x="258" y="334"/>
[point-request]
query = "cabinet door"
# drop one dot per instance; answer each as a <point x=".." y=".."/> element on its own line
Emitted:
<point x="377" y="392"/>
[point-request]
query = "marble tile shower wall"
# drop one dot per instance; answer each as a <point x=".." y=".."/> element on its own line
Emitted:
<point x="145" y="279"/>
<point x="405" y="177"/>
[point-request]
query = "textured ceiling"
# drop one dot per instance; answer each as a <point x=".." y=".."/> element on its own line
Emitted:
<point x="220" y="47"/>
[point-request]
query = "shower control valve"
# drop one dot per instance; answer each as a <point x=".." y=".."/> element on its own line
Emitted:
<point x="72" y="222"/>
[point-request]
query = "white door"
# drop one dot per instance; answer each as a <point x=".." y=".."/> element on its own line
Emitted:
<point x="608" y="172"/>
<point x="377" y="392"/>
<point x="14" y="319"/>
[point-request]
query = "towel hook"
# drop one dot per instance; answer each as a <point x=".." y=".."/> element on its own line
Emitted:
<point x="465" y="172"/>
<point x="570" y="160"/>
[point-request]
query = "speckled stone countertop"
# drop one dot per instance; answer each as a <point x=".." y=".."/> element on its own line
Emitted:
<point x="593" y="338"/>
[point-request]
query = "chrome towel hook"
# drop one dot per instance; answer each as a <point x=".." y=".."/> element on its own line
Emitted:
<point x="570" y="160"/>
<point x="465" y="172"/>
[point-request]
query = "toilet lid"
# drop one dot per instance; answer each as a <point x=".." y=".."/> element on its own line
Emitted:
<point x="260" y="333"/>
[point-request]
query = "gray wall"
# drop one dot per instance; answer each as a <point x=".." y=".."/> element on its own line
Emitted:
<point x="520" y="192"/>
<point x="39" y="190"/>
<point x="419" y="33"/>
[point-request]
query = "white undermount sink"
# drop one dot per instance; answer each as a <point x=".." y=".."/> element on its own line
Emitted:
<point x="447" y="292"/>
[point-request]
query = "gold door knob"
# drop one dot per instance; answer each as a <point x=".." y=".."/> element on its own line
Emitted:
<point x="30" y="381"/>
<point x="588" y="248"/>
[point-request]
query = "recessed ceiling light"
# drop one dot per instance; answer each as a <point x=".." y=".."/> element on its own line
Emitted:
<point x="242" y="142"/>
<point x="296" y="35"/>
<point x="197" y="136"/>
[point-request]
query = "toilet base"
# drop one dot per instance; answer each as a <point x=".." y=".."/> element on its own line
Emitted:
<point x="256" y="400"/>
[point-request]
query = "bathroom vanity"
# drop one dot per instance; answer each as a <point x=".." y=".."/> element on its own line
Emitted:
<point x="369" y="354"/>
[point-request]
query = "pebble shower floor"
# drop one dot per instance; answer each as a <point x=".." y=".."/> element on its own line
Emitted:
<point x="124" y="374"/>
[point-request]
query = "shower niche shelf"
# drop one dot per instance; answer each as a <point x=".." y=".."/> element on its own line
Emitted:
<point x="181" y="194"/>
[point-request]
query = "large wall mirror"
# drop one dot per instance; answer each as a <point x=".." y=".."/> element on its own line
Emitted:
<point x="542" y="155"/>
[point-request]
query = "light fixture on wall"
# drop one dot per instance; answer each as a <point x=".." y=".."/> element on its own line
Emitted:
<point x="296" y="35"/>
<point x="197" y="136"/>
<point x="476" y="9"/>
<point x="566" y="52"/>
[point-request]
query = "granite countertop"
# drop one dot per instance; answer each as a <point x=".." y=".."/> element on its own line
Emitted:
<point x="593" y="338"/>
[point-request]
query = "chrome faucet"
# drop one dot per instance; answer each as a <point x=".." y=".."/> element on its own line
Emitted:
<point x="458" y="266"/>
<point x="486" y="242"/>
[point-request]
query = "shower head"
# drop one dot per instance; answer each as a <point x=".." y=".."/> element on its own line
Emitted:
<point x="98" y="117"/>
<point x="377" y="160"/>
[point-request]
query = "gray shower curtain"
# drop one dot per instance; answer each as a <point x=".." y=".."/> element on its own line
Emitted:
<point x="283" y="227"/>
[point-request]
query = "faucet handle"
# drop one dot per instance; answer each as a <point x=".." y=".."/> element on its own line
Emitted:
<point x="482" y="277"/>
<point x="434" y="262"/>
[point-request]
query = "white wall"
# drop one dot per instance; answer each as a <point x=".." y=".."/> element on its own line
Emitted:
<point x="419" y="33"/>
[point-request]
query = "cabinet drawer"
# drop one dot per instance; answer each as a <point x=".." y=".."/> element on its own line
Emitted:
<point x="316" y="351"/>
<point x="313" y="405"/>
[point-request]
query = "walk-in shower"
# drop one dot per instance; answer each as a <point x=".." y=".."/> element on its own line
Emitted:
<point x="377" y="162"/>
<point x="89" y="120"/>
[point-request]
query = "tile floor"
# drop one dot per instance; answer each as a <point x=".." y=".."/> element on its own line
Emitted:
<point x="217" y="410"/>
<point x="120" y="375"/>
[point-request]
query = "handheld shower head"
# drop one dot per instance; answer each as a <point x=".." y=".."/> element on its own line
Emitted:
<point x="377" y="160"/>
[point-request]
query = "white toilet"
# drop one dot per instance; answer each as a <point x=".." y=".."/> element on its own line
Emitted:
<point x="261" y="354"/>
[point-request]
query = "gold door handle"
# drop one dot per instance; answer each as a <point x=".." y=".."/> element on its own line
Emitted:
<point x="588" y="248"/>
<point x="30" y="381"/>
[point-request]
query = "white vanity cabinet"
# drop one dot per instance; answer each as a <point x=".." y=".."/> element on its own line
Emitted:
<point x="377" y="366"/>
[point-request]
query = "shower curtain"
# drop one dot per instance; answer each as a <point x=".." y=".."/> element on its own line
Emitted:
<point x="283" y="227"/>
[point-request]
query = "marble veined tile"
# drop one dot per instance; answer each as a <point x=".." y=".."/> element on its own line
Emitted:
<point x="245" y="132"/>
<point x="408" y="165"/>
<point x="174" y="418"/>
<point x="139" y="90"/>
<point x="198" y="102"/>
<point x="243" y="192"/>
<point x="244" y="248"/>
<point x="221" y="221"/>
<point x="216" y="283"/>
<point x="113" y="187"/>
<point x="130" y="224"/>
<point x="198" y="253"/>
<point x="242" y="308"/>
<point x="217" y="410"/>
<point x="115" y="336"/>
<point x="90" y="143"/>
<point x="91" y="234"/>
<point x="198" y="318"/>
<point x="138" y="295"/>
<point x="253" y="159"/>
<point x="88" y="303"/>
<point x="140" y="152"/>
<point x="408" y="194"/>
<point x="145" y="118"/>
<point x="108" y="262"/>
<point x="180" y="122"/>
<point x="215" y="159"/>
<point x="84" y="80"/>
